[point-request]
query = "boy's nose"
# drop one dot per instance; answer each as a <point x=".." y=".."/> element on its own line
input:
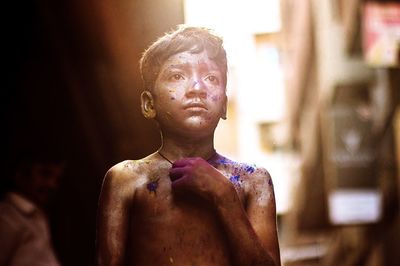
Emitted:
<point x="197" y="88"/>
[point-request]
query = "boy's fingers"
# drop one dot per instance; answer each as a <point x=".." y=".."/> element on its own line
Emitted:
<point x="180" y="163"/>
<point x="176" y="173"/>
<point x="179" y="183"/>
<point x="188" y="161"/>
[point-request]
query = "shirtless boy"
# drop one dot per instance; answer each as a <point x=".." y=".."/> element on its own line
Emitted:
<point x="186" y="204"/>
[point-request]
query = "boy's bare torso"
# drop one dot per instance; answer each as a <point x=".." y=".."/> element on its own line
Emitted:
<point x="166" y="228"/>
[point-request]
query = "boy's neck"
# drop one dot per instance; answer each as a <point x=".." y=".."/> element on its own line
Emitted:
<point x="177" y="149"/>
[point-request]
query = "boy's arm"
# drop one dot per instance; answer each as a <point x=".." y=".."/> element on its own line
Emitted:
<point x="252" y="235"/>
<point x="254" y="230"/>
<point x="112" y="218"/>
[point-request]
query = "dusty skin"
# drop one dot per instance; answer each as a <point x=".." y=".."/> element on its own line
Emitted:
<point x="186" y="204"/>
<point x="156" y="226"/>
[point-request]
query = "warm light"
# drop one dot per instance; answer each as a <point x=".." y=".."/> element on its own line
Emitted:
<point x="230" y="17"/>
<point x="255" y="80"/>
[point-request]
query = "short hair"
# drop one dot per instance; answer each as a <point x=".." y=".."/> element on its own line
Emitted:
<point x="184" y="38"/>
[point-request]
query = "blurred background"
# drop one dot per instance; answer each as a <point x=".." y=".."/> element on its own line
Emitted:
<point x="313" y="96"/>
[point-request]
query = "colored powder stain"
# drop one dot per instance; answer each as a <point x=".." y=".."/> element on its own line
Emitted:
<point x="238" y="170"/>
<point x="224" y="161"/>
<point x="249" y="169"/>
<point x="152" y="186"/>
<point x="235" y="179"/>
<point x="215" y="98"/>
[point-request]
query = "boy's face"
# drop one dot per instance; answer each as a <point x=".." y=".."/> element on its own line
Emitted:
<point x="189" y="94"/>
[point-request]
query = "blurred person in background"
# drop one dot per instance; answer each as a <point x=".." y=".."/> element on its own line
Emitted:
<point x="24" y="230"/>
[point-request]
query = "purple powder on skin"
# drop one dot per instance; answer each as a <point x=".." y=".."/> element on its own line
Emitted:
<point x="215" y="98"/>
<point x="224" y="161"/>
<point x="152" y="186"/>
<point x="235" y="179"/>
<point x="249" y="169"/>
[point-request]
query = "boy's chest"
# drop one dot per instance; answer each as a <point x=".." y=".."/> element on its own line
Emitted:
<point x="156" y="197"/>
<point x="177" y="221"/>
<point x="156" y="201"/>
<point x="181" y="224"/>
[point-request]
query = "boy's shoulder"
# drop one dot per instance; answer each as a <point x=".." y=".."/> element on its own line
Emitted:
<point x="130" y="171"/>
<point x="241" y="170"/>
<point x="255" y="181"/>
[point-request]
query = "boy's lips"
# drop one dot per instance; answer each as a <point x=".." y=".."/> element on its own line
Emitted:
<point x="195" y="105"/>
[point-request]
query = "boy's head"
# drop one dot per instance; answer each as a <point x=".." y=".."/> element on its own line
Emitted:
<point x="183" y="39"/>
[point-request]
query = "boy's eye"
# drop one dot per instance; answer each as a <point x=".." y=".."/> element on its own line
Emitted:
<point x="212" y="78"/>
<point x="176" y="77"/>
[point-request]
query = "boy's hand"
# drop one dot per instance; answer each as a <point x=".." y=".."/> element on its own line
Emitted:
<point x="195" y="175"/>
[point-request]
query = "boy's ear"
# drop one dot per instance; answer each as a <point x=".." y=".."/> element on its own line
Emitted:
<point x="147" y="105"/>
<point x="224" y="107"/>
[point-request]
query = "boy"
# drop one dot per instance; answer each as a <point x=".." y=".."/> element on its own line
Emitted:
<point x="186" y="204"/>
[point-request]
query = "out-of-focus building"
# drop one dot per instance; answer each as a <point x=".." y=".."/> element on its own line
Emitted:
<point x="343" y="79"/>
<point x="312" y="97"/>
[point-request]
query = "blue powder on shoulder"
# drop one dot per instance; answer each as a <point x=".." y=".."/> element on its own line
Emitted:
<point x="224" y="161"/>
<point x="235" y="179"/>
<point x="249" y="169"/>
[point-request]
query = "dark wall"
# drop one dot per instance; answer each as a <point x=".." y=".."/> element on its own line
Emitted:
<point x="72" y="87"/>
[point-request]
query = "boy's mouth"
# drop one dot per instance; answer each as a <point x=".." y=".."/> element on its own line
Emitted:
<point x="195" y="106"/>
